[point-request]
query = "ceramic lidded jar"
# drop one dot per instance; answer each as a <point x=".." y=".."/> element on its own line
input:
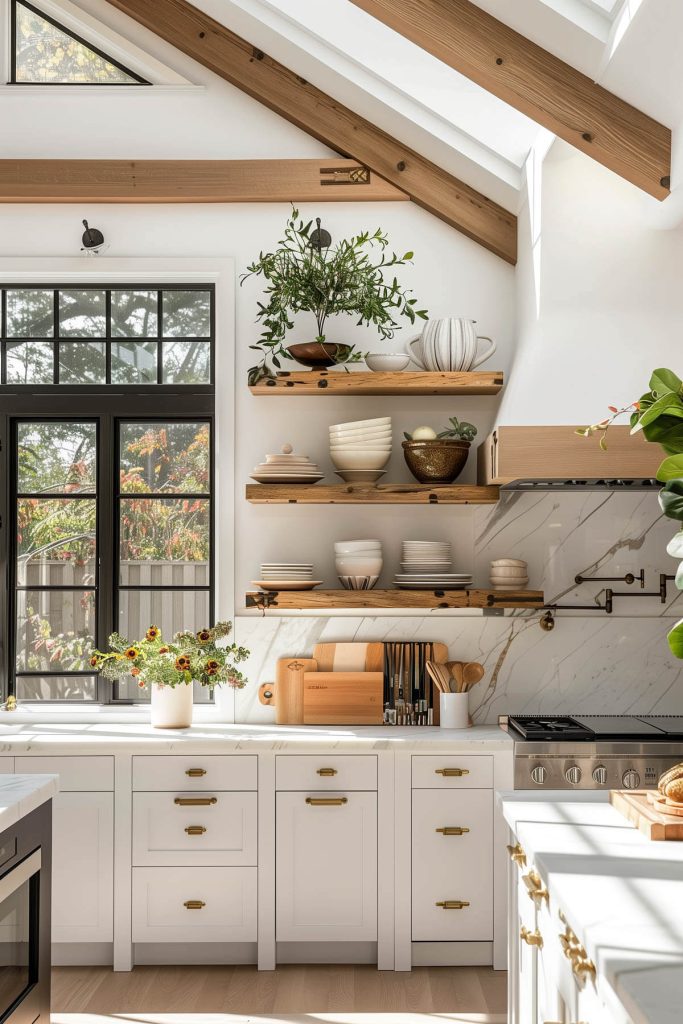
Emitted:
<point x="450" y="344"/>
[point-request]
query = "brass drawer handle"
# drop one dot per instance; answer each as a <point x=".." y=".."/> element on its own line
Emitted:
<point x="195" y="773"/>
<point x="195" y="830"/>
<point x="326" y="773"/>
<point x="326" y="801"/>
<point x="583" y="967"/>
<point x="452" y="830"/>
<point x="517" y="854"/>
<point x="531" y="938"/>
<point x="195" y="801"/>
<point x="194" y="904"/>
<point x="537" y="892"/>
<point x="452" y="904"/>
<point x="452" y="773"/>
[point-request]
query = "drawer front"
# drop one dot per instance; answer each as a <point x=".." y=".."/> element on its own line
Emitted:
<point x="452" y="867"/>
<point x="6" y="764"/>
<point x="76" y="774"/>
<point x="220" y="834"/>
<point x="161" y="772"/>
<point x="442" y="772"/>
<point x="322" y="772"/>
<point x="228" y="913"/>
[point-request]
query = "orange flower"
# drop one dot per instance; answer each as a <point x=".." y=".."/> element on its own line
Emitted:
<point x="182" y="663"/>
<point x="152" y="633"/>
<point x="93" y="661"/>
<point x="131" y="653"/>
<point x="135" y="671"/>
<point x="163" y="650"/>
<point x="212" y="665"/>
<point x="203" y="636"/>
<point x="141" y="684"/>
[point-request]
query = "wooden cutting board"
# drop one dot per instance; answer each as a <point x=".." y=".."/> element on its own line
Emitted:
<point x="289" y="689"/>
<point x="636" y="806"/>
<point x="343" y="698"/>
<point x="349" y="657"/>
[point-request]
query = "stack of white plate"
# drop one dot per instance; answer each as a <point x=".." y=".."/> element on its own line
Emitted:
<point x="287" y="576"/>
<point x="361" y="449"/>
<point x="287" y="468"/>
<point x="428" y="565"/>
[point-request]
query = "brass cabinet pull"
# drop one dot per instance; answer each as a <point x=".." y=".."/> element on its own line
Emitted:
<point x="326" y="801"/>
<point x="531" y="938"/>
<point x="452" y="904"/>
<point x="534" y="884"/>
<point x="194" y="904"/>
<point x="195" y="801"/>
<point x="452" y="830"/>
<point x="326" y="772"/>
<point x="195" y="830"/>
<point x="517" y="854"/>
<point x="584" y="966"/>
<point x="195" y="773"/>
<point x="452" y="773"/>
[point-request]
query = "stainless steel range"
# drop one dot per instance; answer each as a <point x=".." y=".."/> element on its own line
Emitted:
<point x="593" y="751"/>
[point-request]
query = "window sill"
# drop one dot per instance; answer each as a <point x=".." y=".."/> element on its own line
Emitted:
<point x="33" y="714"/>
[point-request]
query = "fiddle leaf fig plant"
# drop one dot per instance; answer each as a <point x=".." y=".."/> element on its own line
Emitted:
<point x="659" y="414"/>
<point x="306" y="273"/>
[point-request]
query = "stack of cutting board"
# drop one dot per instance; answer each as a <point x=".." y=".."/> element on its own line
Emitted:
<point x="654" y="816"/>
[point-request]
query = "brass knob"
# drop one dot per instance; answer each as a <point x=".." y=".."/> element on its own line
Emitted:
<point x="584" y="967"/>
<point x="452" y="830"/>
<point x="195" y="830"/>
<point x="534" y="884"/>
<point x="195" y="801"/>
<point x="326" y="773"/>
<point x="326" y="801"/>
<point x="452" y="904"/>
<point x="194" y="904"/>
<point x="531" y="938"/>
<point x="452" y="773"/>
<point x="195" y="773"/>
<point x="518" y="855"/>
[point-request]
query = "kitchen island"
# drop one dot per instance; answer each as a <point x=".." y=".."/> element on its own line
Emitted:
<point x="601" y="938"/>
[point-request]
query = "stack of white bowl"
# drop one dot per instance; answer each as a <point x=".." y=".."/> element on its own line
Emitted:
<point x="361" y="449"/>
<point x="358" y="563"/>
<point x="509" y="574"/>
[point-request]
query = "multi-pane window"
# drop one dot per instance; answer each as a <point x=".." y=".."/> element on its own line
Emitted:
<point x="106" y="336"/>
<point x="109" y="495"/>
<point x="46" y="53"/>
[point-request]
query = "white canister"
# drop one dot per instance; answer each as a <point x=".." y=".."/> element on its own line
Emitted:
<point x="172" y="706"/>
<point x="450" y="344"/>
<point x="454" y="711"/>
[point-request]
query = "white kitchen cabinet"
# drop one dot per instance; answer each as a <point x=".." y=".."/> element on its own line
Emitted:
<point x="219" y="832"/>
<point x="83" y="867"/>
<point x="190" y="905"/>
<point x="326" y="867"/>
<point x="452" y="866"/>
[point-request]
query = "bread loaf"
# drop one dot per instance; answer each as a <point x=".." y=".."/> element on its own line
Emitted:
<point x="674" y="790"/>
<point x="672" y="778"/>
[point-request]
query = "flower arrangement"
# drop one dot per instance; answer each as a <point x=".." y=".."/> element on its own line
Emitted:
<point x="189" y="657"/>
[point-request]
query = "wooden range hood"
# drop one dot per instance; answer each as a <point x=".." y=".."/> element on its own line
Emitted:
<point x="555" y="457"/>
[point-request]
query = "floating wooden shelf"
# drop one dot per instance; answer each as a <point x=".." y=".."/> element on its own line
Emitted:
<point x="364" y="382"/>
<point x="330" y="599"/>
<point x="381" y="494"/>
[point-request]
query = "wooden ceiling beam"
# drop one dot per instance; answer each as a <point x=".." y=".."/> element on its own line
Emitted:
<point x="536" y="83"/>
<point x="212" y="44"/>
<point x="192" y="181"/>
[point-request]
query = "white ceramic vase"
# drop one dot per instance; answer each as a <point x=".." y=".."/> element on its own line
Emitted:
<point x="450" y="345"/>
<point x="454" y="711"/>
<point x="172" y="706"/>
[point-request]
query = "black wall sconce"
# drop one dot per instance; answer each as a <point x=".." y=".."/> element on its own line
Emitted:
<point x="93" y="240"/>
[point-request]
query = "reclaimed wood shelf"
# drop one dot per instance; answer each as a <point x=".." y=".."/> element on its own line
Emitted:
<point x="364" y="382"/>
<point x="379" y="494"/>
<point x="330" y="599"/>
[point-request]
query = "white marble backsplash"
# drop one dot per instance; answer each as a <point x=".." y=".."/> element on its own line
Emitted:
<point x="590" y="663"/>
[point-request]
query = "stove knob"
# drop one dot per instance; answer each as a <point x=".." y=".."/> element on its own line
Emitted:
<point x="538" y="774"/>
<point x="631" y="779"/>
<point x="600" y="774"/>
<point x="573" y="775"/>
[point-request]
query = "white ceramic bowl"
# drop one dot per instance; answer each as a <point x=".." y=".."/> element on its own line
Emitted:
<point x="500" y="563"/>
<point x="361" y="476"/>
<point x="386" y="361"/>
<point x="349" y="565"/>
<point x="509" y="571"/>
<point x="360" y="435"/>
<point x="379" y="421"/>
<point x="361" y="459"/>
<point x="352" y="547"/>
<point x="505" y="583"/>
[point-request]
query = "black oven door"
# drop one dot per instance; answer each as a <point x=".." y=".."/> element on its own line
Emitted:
<point x="19" y="939"/>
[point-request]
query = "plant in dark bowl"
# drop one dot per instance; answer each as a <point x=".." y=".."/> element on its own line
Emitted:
<point x="306" y="273"/>
<point x="439" y="458"/>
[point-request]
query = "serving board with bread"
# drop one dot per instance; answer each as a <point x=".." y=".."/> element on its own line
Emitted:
<point x="658" y="813"/>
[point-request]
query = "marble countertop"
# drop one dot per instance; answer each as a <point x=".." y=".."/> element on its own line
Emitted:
<point x="622" y="893"/>
<point x="121" y="736"/>
<point x="21" y="794"/>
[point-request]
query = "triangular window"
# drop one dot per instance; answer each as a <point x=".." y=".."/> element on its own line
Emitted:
<point x="46" y="53"/>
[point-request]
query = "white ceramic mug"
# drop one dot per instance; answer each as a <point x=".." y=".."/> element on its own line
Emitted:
<point x="454" y="712"/>
<point x="449" y="344"/>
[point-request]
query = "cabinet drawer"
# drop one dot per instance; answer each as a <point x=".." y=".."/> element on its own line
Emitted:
<point x="228" y="913"/>
<point x="323" y="772"/>
<point x="83" y="867"/>
<point x="167" y="833"/>
<point x="452" y="867"/>
<point x="76" y="774"/>
<point x="184" y="772"/>
<point x="431" y="772"/>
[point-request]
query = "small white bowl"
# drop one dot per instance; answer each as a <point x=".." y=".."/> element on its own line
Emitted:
<point x="387" y="362"/>
<point x="509" y="571"/>
<point x="361" y="476"/>
<point x="365" y="566"/>
<point x="362" y="459"/>
<point x="360" y="435"/>
<point x="347" y="546"/>
<point x="379" y="421"/>
<point x="500" y="563"/>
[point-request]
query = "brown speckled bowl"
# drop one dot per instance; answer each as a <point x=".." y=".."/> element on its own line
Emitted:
<point x="318" y="355"/>
<point x="436" y="462"/>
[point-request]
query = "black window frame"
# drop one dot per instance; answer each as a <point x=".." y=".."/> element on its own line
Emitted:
<point x="109" y="405"/>
<point x="139" y="80"/>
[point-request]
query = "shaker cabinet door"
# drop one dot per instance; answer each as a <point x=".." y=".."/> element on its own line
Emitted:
<point x="83" y="867"/>
<point x="326" y="875"/>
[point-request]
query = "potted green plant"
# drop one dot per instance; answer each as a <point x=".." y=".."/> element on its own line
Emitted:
<point x="171" y="667"/>
<point x="659" y="414"/>
<point x="306" y="273"/>
<point x="439" y="458"/>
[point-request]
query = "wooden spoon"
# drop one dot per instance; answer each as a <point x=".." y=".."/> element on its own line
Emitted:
<point x="456" y="670"/>
<point x="472" y="673"/>
<point x="439" y="675"/>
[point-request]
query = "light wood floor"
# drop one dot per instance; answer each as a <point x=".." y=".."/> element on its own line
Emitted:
<point x="460" y="993"/>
